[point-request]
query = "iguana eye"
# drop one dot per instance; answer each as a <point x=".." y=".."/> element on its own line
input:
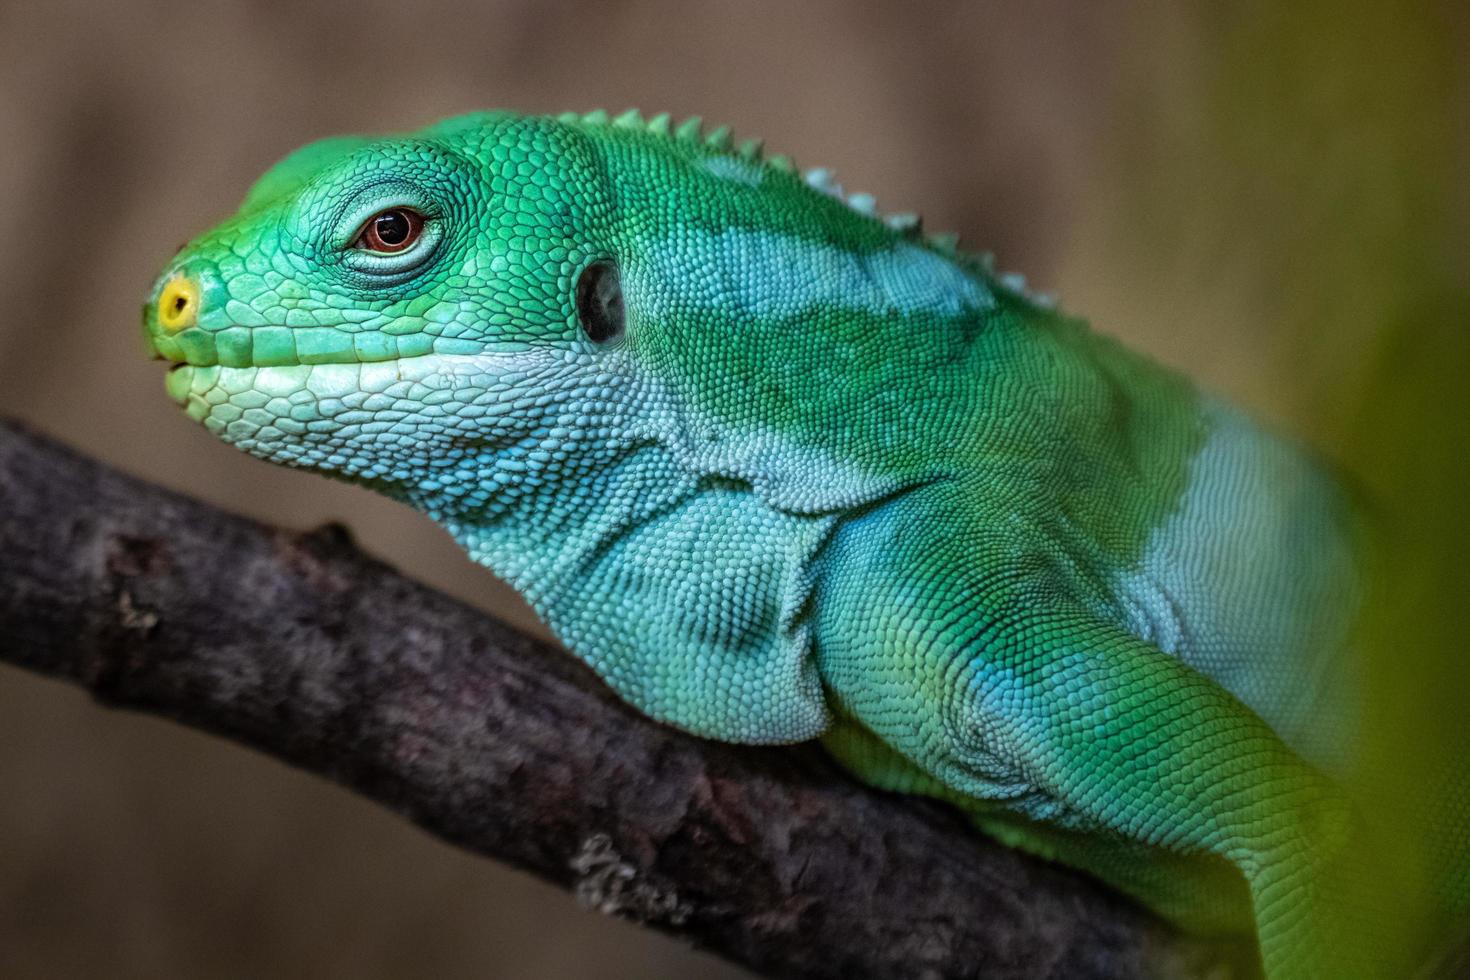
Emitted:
<point x="600" y="301"/>
<point x="390" y="231"/>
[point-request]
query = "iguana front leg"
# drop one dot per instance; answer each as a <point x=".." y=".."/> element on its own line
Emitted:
<point x="992" y="665"/>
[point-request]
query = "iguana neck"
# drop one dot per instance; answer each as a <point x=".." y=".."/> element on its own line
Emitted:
<point x="537" y="536"/>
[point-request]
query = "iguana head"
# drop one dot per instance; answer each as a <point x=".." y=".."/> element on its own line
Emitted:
<point x="460" y="312"/>
<point x="409" y="312"/>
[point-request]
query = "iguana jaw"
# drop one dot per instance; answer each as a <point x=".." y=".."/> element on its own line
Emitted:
<point x="408" y="426"/>
<point x="190" y="384"/>
<point x="197" y="356"/>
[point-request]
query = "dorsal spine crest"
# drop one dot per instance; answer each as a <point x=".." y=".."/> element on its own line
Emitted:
<point x="720" y="140"/>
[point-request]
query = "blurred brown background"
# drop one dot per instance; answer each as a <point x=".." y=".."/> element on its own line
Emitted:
<point x="1254" y="193"/>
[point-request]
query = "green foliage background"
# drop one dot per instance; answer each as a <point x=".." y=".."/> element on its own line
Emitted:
<point x="1314" y="199"/>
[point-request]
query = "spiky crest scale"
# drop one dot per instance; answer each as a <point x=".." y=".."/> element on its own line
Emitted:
<point x="718" y="139"/>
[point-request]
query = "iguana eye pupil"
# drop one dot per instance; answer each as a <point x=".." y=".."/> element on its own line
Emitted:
<point x="390" y="231"/>
<point x="392" y="228"/>
<point x="600" y="302"/>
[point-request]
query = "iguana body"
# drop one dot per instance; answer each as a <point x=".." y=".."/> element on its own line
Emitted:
<point x="780" y="469"/>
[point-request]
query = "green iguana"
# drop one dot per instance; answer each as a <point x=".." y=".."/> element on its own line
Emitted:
<point x="779" y="468"/>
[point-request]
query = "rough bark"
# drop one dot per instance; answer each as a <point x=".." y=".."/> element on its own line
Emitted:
<point x="301" y="646"/>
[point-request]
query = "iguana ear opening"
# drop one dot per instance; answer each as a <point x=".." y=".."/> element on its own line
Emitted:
<point x="599" y="301"/>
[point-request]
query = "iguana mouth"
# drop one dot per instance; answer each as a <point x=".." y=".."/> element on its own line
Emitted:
<point x="280" y="346"/>
<point x="178" y="381"/>
<point x="187" y="381"/>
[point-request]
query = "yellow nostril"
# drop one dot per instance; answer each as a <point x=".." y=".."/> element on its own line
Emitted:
<point x="178" y="304"/>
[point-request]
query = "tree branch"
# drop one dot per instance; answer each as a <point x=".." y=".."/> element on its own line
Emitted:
<point x="299" y="645"/>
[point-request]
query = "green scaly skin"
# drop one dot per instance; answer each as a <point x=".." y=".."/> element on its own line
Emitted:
<point x="834" y="480"/>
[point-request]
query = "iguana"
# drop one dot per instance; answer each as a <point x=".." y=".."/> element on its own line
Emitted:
<point x="779" y="468"/>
